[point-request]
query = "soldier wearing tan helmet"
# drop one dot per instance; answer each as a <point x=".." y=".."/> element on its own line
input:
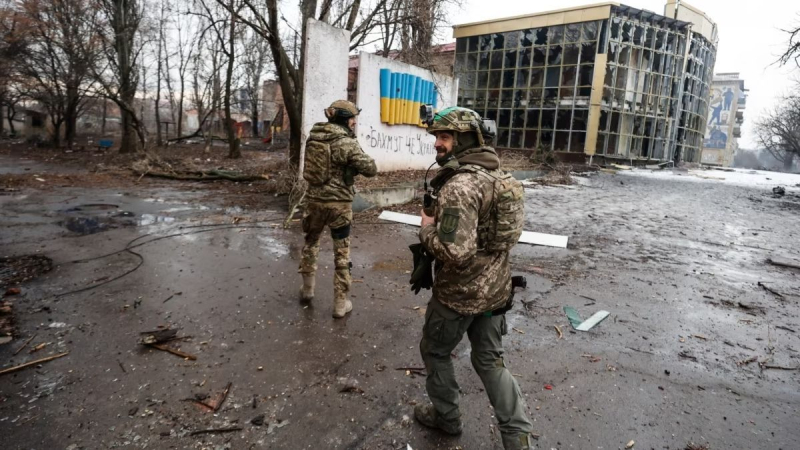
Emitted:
<point x="333" y="158"/>
<point x="476" y="219"/>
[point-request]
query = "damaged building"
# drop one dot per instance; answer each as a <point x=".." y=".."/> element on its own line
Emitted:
<point x="605" y="81"/>
<point x="726" y="105"/>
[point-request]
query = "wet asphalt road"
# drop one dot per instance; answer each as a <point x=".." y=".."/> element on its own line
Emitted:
<point x="676" y="262"/>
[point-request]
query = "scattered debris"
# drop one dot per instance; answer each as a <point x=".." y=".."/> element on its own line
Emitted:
<point x="784" y="262"/>
<point x="770" y="366"/>
<point x="560" y="333"/>
<point x="38" y="347"/>
<point x="700" y="336"/>
<point x="258" y="420"/>
<point x="548" y="387"/>
<point x="687" y="355"/>
<point x="518" y="330"/>
<point x="32" y="363"/>
<point x="630" y="444"/>
<point x="768" y="289"/>
<point x="157" y="338"/>
<point x="215" y="430"/>
<point x="747" y="361"/>
<point x="275" y="425"/>
<point x="25" y="344"/>
<point x="592" y="358"/>
<point x="781" y="327"/>
<point x="581" y="325"/>
<point x="12" y="291"/>
<point x="349" y="385"/>
<point x="693" y="446"/>
<point x="183" y="355"/>
<point x="171" y="296"/>
<point x="778" y="191"/>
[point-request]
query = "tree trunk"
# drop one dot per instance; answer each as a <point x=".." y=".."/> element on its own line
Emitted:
<point x="105" y="115"/>
<point x="2" y="121"/>
<point x="788" y="161"/>
<point x="10" y="113"/>
<point x="130" y="140"/>
<point x="180" y="108"/>
<point x="255" y="118"/>
<point x="233" y="140"/>
<point x="56" y="137"/>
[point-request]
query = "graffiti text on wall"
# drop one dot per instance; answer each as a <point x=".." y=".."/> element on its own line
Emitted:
<point x="397" y="143"/>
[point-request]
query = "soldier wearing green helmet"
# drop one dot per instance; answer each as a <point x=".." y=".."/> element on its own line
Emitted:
<point x="332" y="160"/>
<point x="475" y="220"/>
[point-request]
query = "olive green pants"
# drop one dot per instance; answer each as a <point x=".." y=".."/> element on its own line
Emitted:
<point x="443" y="330"/>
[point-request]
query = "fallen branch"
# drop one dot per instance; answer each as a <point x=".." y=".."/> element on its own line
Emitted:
<point x="32" y="363"/>
<point x="215" y="430"/>
<point x="164" y="348"/>
<point x="770" y="366"/>
<point x="203" y="175"/>
<point x="560" y="333"/>
<point x="25" y="344"/>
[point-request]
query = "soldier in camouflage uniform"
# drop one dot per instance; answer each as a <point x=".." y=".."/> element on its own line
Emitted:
<point x="470" y="282"/>
<point x="333" y="159"/>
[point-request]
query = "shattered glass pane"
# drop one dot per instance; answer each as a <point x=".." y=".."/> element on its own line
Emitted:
<point x="527" y="37"/>
<point x="626" y="31"/>
<point x="588" y="52"/>
<point x="535" y="97"/>
<point x="611" y="144"/>
<point x="554" y="55"/>
<point x="511" y="58"/>
<point x="472" y="43"/>
<point x="577" y="141"/>
<point x="546" y="140"/>
<point x="530" y="138"/>
<point x="516" y="140"/>
<point x="502" y="138"/>
<point x="522" y="78"/>
<point x="548" y="119"/>
<point x="563" y="119"/>
<point x="537" y="77"/>
<point x="649" y="40"/>
<point x="483" y="60"/>
<point x="532" y="121"/>
<point x="485" y="43"/>
<point x="497" y="60"/>
<point x="508" y="78"/>
<point x="569" y="74"/>
<point x="604" y="116"/>
<point x="573" y="33"/>
<point x="590" y="31"/>
<point x="562" y="141"/>
<point x="539" y="57"/>
<point x="495" y="79"/>
<point x="609" y="78"/>
<point x="571" y="53"/>
<point x="524" y="59"/>
<point x="556" y="34"/>
<point x="586" y="75"/>
<point x="512" y="39"/>
<point x="638" y="35"/>
<point x="615" y="28"/>
<point x="518" y="118"/>
<point x="498" y="41"/>
<point x="541" y="36"/>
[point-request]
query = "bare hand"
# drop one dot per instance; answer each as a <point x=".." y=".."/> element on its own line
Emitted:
<point x="426" y="219"/>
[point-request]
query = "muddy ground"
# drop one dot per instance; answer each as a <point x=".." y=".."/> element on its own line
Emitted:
<point x="686" y="356"/>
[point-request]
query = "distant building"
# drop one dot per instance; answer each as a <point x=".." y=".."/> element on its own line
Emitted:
<point x="726" y="106"/>
<point x="605" y="81"/>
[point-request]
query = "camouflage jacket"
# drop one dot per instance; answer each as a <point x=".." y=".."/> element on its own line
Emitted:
<point x="345" y="153"/>
<point x="467" y="279"/>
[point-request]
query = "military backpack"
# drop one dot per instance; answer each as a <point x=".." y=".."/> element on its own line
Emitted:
<point x="501" y="230"/>
<point x="317" y="170"/>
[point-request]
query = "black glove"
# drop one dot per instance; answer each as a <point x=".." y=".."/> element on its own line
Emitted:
<point x="422" y="276"/>
<point x="349" y="175"/>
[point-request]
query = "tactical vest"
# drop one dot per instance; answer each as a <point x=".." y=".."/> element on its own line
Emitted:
<point x="501" y="227"/>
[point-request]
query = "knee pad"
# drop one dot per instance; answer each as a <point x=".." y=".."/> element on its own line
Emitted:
<point x="340" y="233"/>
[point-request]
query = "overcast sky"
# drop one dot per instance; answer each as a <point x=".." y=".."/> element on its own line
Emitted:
<point x="750" y="39"/>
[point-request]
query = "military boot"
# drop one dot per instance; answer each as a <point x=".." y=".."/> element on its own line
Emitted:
<point x="341" y="305"/>
<point x="517" y="441"/>
<point x="427" y="415"/>
<point x="307" y="290"/>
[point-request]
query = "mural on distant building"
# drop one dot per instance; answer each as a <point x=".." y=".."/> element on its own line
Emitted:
<point x="401" y="96"/>
<point x="719" y="113"/>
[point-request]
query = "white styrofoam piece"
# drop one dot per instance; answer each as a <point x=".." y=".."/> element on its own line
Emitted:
<point x="589" y="323"/>
<point x="528" y="237"/>
<point x="549" y="240"/>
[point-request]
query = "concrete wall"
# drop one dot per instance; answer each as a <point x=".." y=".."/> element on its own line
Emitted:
<point x="395" y="147"/>
<point x="325" y="75"/>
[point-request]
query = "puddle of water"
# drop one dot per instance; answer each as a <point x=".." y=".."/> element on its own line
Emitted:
<point x="151" y="219"/>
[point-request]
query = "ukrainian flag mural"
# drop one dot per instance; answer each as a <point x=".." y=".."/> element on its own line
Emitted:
<point x="401" y="96"/>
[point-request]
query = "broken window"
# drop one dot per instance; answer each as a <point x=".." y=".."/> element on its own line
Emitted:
<point x="573" y="33"/>
<point x="472" y="61"/>
<point x="522" y="78"/>
<point x="483" y="61"/>
<point x="626" y="31"/>
<point x="497" y="60"/>
<point x="504" y="120"/>
<point x="539" y="57"/>
<point x="516" y="139"/>
<point x="512" y="39"/>
<point x="518" y="118"/>
<point x="486" y="43"/>
<point x="580" y="118"/>
<point x="495" y="79"/>
<point x="561" y="142"/>
<point x="541" y="36"/>
<point x="498" y="41"/>
<point x="563" y="119"/>
<point x="531" y="137"/>
<point x="507" y="98"/>
<point x="588" y="52"/>
<point x="590" y="31"/>
<point x="537" y="78"/>
<point x="502" y="138"/>
<point x="555" y="34"/>
<point x="586" y="73"/>
<point x="532" y="119"/>
<point x="554" y="55"/>
<point x="615" y="28"/>
<point x="461" y="45"/>
<point x="483" y="79"/>
<point x="508" y="78"/>
<point x="577" y="142"/>
<point x="571" y="53"/>
<point x="511" y="58"/>
<point x="524" y="59"/>
<point x="638" y="34"/>
<point x="527" y="37"/>
<point x="535" y="97"/>
<point x="548" y="119"/>
<point x="472" y="43"/>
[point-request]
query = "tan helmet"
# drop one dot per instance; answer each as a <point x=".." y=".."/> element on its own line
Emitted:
<point x="457" y="120"/>
<point x="343" y="109"/>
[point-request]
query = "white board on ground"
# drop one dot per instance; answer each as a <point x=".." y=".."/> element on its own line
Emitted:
<point x="589" y="323"/>
<point x="528" y="237"/>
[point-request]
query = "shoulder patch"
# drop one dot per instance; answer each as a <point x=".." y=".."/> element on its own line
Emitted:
<point x="449" y="225"/>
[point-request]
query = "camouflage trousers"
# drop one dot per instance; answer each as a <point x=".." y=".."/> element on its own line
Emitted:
<point x="338" y="217"/>
<point x="443" y="330"/>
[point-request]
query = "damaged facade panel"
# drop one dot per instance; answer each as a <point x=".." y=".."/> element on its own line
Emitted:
<point x="605" y="81"/>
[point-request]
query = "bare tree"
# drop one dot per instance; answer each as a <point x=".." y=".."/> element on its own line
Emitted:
<point x="778" y="131"/>
<point x="255" y="61"/>
<point x="264" y="16"/>
<point x="14" y="41"/>
<point x="119" y="78"/>
<point x="58" y="65"/>
<point x="792" y="52"/>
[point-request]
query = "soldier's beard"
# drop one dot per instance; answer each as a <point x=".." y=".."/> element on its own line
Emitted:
<point x="442" y="155"/>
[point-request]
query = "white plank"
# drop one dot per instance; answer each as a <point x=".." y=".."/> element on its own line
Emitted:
<point x="528" y="237"/>
<point x="589" y="323"/>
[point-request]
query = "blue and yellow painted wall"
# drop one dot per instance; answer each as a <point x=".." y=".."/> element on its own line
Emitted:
<point x="401" y="96"/>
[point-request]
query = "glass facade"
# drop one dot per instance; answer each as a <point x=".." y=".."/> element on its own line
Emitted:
<point x="650" y="90"/>
<point x="535" y="83"/>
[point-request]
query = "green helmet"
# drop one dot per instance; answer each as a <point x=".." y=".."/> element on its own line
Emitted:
<point x="457" y="120"/>
<point x="342" y="109"/>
